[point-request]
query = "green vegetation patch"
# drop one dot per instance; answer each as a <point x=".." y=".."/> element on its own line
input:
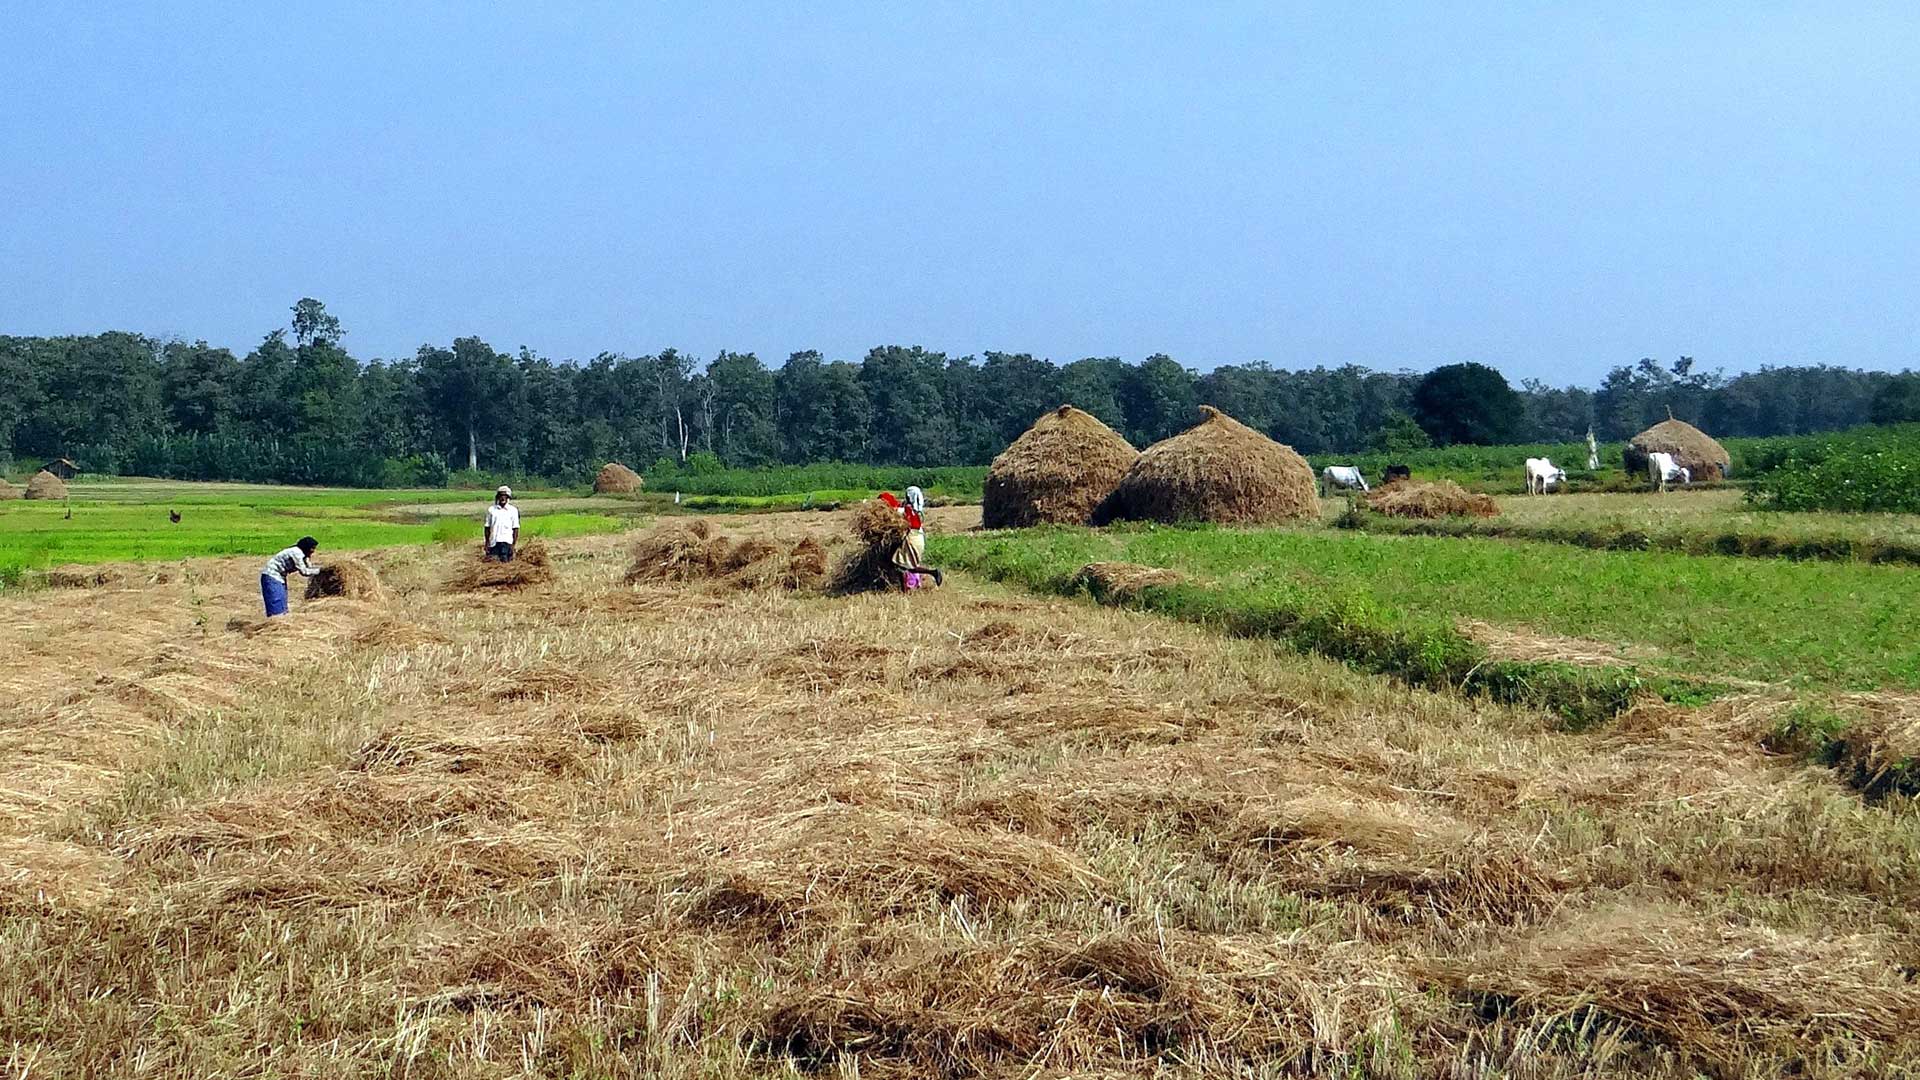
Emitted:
<point x="1395" y="603"/>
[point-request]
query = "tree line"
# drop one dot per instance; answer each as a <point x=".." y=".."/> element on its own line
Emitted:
<point x="300" y="408"/>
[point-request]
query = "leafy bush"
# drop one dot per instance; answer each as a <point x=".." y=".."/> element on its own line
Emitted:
<point x="1843" y="478"/>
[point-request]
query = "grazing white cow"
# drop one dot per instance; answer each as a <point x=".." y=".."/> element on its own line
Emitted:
<point x="1541" y="475"/>
<point x="1343" y="477"/>
<point x="1661" y="469"/>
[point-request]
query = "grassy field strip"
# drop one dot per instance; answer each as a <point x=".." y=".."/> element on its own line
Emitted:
<point x="1693" y="523"/>
<point x="1703" y="619"/>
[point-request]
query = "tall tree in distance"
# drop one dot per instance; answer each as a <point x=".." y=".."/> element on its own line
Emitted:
<point x="1467" y="403"/>
<point x="1158" y="399"/>
<point x="465" y="386"/>
<point x="312" y="325"/>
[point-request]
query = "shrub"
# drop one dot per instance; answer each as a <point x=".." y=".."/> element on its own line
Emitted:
<point x="1843" y="478"/>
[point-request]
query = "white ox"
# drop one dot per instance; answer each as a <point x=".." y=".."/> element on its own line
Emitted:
<point x="1542" y="475"/>
<point x="1342" y="477"/>
<point x="1661" y="469"/>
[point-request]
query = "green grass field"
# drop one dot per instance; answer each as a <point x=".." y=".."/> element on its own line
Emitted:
<point x="1826" y="625"/>
<point x="126" y="520"/>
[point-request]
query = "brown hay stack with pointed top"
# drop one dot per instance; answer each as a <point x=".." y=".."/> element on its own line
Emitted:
<point x="8" y="491"/>
<point x="1692" y="449"/>
<point x="1219" y="470"/>
<point x="350" y="578"/>
<point x="616" y="479"/>
<point x="45" y="485"/>
<point x="1057" y="473"/>
<point x="1435" y="499"/>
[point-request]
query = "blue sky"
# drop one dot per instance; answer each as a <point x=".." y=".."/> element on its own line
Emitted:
<point x="1552" y="189"/>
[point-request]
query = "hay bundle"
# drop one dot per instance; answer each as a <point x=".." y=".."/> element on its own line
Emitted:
<point x="1058" y="472"/>
<point x="1692" y="449"/>
<point x="45" y="485"/>
<point x="8" y="491"/>
<point x="529" y="567"/>
<point x="84" y="577"/>
<point x="673" y="551"/>
<point x="1218" y="470"/>
<point x="1431" y="499"/>
<point x="1119" y="582"/>
<point x="878" y="530"/>
<point x="616" y="479"/>
<point x="347" y="578"/>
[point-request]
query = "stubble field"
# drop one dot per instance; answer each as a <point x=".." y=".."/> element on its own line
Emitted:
<point x="594" y="829"/>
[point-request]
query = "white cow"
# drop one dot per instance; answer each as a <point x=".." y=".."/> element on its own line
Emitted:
<point x="1661" y="469"/>
<point x="1343" y="477"/>
<point x="1542" y="475"/>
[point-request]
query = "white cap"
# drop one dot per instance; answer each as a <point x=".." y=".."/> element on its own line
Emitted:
<point x="503" y="490"/>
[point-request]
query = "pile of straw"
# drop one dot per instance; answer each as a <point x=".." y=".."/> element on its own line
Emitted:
<point x="1692" y="449"/>
<point x="1058" y="472"/>
<point x="347" y="578"/>
<point x="691" y="551"/>
<point x="84" y="577"/>
<point x="8" y="491"/>
<point x="529" y="567"/>
<point x="1219" y="470"/>
<point x="1119" y="582"/>
<point x="45" y="485"/>
<point x="878" y="530"/>
<point x="1431" y="499"/>
<point x="616" y="479"/>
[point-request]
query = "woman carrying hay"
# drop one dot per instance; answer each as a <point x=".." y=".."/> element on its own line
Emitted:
<point x="910" y="558"/>
<point x="273" y="576"/>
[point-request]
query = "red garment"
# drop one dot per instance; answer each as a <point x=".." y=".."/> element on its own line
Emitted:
<point x="913" y="519"/>
<point x="887" y="497"/>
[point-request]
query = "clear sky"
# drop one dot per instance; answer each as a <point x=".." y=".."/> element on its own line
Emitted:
<point x="1552" y="188"/>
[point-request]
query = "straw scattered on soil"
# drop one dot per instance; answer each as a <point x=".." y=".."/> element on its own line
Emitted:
<point x="676" y="551"/>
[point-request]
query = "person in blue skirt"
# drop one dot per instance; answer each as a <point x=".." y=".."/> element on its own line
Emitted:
<point x="273" y="577"/>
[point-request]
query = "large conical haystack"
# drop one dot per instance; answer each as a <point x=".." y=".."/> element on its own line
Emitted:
<point x="45" y="485"/>
<point x="8" y="491"/>
<point x="1218" y="470"/>
<point x="616" y="479"/>
<point x="1692" y="449"/>
<point x="1058" y="472"/>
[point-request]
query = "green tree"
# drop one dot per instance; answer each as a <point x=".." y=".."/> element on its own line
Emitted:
<point x="739" y="408"/>
<point x="1399" y="434"/>
<point x="467" y="388"/>
<point x="909" y="423"/>
<point x="1092" y="385"/>
<point x="1898" y="401"/>
<point x="1158" y="399"/>
<point x="312" y="325"/>
<point x="199" y="388"/>
<point x="1467" y="403"/>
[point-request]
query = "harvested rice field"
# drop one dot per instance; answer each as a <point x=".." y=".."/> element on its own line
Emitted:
<point x="587" y="826"/>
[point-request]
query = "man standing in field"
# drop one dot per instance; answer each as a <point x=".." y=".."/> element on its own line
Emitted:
<point x="502" y="529"/>
<point x="273" y="576"/>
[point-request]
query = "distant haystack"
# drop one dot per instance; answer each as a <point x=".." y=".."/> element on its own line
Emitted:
<point x="1058" y="472"/>
<point x="1219" y="470"/>
<point x="1692" y="449"/>
<point x="8" y="491"/>
<point x="45" y="485"/>
<point x="616" y="479"/>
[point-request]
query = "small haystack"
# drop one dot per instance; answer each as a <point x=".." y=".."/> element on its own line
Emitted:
<point x="616" y="479"/>
<point x="673" y="551"/>
<point x="45" y="485"/>
<point x="1058" y="472"/>
<point x="1692" y="449"/>
<point x="1431" y="499"/>
<point x="8" y="491"/>
<point x="1122" y="582"/>
<point x="1219" y="470"/>
<point x="529" y="567"/>
<point x="347" y="578"/>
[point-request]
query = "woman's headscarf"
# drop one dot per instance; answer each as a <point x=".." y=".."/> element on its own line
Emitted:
<point x="917" y="499"/>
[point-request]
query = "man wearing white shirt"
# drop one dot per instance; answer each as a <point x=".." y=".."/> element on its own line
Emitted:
<point x="502" y="529"/>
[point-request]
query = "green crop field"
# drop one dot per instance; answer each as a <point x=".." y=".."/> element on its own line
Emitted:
<point x="1828" y="625"/>
<point x="122" y="520"/>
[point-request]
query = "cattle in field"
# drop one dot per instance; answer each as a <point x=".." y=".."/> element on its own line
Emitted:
<point x="1341" y="478"/>
<point x="1397" y="473"/>
<point x="1542" y="475"/>
<point x="1662" y="470"/>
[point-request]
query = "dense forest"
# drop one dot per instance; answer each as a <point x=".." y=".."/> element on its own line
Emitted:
<point x="299" y="407"/>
